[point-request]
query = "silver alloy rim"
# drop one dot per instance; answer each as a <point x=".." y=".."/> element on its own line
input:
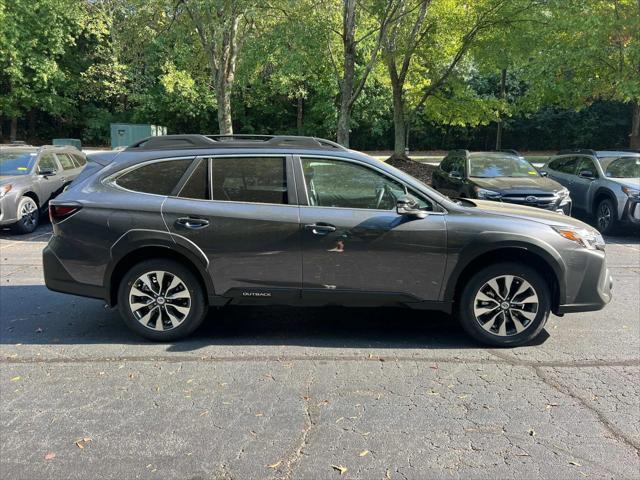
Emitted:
<point x="159" y="300"/>
<point x="506" y="305"/>
<point x="28" y="213"/>
<point x="604" y="216"/>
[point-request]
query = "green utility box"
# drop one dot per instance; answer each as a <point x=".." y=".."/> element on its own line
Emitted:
<point x="125" y="134"/>
<point x="68" y="141"/>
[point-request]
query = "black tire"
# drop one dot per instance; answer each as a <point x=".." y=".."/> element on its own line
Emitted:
<point x="27" y="223"/>
<point x="197" y="308"/>
<point x="512" y="338"/>
<point x="605" y="216"/>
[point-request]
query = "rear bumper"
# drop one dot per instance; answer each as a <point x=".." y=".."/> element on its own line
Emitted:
<point x="593" y="287"/>
<point x="58" y="279"/>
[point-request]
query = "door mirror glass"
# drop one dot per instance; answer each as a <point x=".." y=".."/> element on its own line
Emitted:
<point x="543" y="173"/>
<point x="586" y="174"/>
<point x="455" y="175"/>
<point x="46" y="172"/>
<point x="408" y="205"/>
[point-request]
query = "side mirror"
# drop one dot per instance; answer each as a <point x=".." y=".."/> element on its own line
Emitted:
<point x="586" y="174"/>
<point x="408" y="205"/>
<point x="543" y="173"/>
<point x="47" y="172"/>
<point x="455" y="175"/>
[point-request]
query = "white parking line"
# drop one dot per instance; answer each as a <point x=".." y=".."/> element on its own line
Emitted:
<point x="18" y="242"/>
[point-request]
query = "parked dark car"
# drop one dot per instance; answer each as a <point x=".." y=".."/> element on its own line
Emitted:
<point x="175" y="224"/>
<point x="501" y="176"/>
<point x="30" y="177"/>
<point x="603" y="184"/>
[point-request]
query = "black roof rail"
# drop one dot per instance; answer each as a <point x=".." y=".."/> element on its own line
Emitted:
<point x="235" y="140"/>
<point x="509" y="150"/>
<point x="462" y="151"/>
<point x="582" y="151"/>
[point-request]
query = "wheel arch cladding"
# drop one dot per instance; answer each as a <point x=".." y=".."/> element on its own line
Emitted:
<point x="33" y="195"/>
<point x="600" y="195"/>
<point x="139" y="247"/>
<point x="547" y="264"/>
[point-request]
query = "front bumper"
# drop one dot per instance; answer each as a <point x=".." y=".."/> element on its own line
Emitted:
<point x="588" y="283"/>
<point x="58" y="279"/>
<point x="631" y="211"/>
<point x="8" y="210"/>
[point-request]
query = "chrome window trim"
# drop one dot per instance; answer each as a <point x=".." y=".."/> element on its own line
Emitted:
<point x="299" y="157"/>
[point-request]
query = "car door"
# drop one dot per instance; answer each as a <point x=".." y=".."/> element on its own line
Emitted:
<point x="241" y="212"/>
<point x="353" y="241"/>
<point x="562" y="170"/>
<point x="581" y="185"/>
<point x="48" y="186"/>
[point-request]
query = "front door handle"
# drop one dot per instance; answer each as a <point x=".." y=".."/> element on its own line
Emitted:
<point x="320" y="228"/>
<point x="192" y="223"/>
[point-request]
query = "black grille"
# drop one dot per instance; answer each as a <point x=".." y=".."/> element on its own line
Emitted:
<point x="543" y="200"/>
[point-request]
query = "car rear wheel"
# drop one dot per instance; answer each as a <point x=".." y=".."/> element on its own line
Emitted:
<point x="605" y="217"/>
<point x="161" y="300"/>
<point x="28" y="216"/>
<point x="505" y="305"/>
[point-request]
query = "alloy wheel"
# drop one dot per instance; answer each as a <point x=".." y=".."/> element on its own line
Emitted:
<point x="159" y="300"/>
<point x="29" y="213"/>
<point x="604" y="216"/>
<point x="506" y="305"/>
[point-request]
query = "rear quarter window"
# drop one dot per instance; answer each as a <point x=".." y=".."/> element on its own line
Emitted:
<point x="158" y="178"/>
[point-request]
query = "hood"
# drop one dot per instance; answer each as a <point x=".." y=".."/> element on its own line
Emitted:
<point x="515" y="185"/>
<point x="539" y="215"/>
<point x="4" y="179"/>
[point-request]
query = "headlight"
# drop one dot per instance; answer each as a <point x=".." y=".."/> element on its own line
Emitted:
<point x="631" y="192"/>
<point x="584" y="237"/>
<point x="487" y="194"/>
<point x="4" y="189"/>
<point x="564" y="193"/>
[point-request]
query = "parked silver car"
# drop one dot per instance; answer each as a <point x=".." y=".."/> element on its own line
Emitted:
<point x="30" y="177"/>
<point x="603" y="184"/>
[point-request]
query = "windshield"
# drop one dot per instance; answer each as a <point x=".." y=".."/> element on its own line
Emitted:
<point x="625" y="167"/>
<point x="16" y="163"/>
<point x="491" y="166"/>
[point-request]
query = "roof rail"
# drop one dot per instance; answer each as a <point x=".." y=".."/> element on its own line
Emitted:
<point x="582" y="151"/>
<point x="509" y="150"/>
<point x="463" y="151"/>
<point x="226" y="141"/>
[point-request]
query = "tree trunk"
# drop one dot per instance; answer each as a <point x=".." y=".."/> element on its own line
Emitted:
<point x="634" y="138"/>
<point x="14" y="129"/>
<point x="32" y="123"/>
<point x="503" y="94"/>
<point x="223" y="95"/>
<point x="348" y="63"/>
<point x="399" y="125"/>
<point x="299" y="114"/>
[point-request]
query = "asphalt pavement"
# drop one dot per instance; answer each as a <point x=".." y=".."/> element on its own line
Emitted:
<point x="312" y="393"/>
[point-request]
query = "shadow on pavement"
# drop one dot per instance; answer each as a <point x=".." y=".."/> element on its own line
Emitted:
<point x="32" y="314"/>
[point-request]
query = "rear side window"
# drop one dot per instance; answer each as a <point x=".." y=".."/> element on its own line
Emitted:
<point x="249" y="179"/>
<point x="159" y="178"/>
<point x="197" y="185"/>
<point x="79" y="160"/>
<point x="564" y="165"/>
<point x="66" y="161"/>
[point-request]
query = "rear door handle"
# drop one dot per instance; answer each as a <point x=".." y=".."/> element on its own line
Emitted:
<point x="320" y="228"/>
<point x="192" y="223"/>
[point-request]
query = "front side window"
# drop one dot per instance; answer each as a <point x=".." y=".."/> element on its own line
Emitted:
<point x="564" y="165"/>
<point x="334" y="183"/>
<point x="47" y="163"/>
<point x="446" y="164"/>
<point x="585" y="163"/>
<point x="159" y="178"/>
<point x="249" y="179"/>
<point x="491" y="166"/>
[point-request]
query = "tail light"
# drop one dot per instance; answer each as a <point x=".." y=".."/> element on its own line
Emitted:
<point x="60" y="212"/>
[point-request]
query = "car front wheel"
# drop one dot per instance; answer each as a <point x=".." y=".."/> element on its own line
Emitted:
<point x="28" y="216"/>
<point x="161" y="300"/>
<point x="606" y="220"/>
<point x="505" y="305"/>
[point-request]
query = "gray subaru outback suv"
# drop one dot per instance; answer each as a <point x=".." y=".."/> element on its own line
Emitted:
<point x="30" y="177"/>
<point x="175" y="224"/>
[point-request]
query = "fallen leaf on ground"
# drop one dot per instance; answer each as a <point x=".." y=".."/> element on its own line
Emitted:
<point x="49" y="456"/>
<point x="15" y="379"/>
<point x="363" y="453"/>
<point x="532" y="432"/>
<point x="432" y="393"/>
<point x="80" y="443"/>
<point x="340" y="468"/>
<point x="574" y="463"/>
<point x="275" y="465"/>
<point x="259" y="414"/>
